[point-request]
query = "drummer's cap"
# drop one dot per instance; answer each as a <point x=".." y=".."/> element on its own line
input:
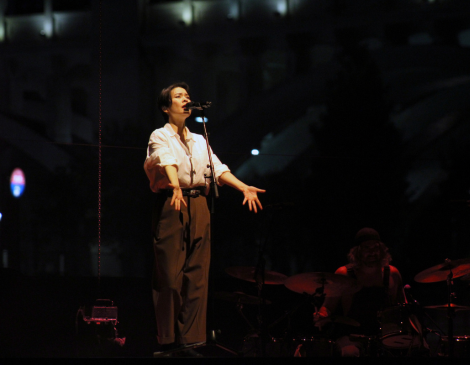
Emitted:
<point x="366" y="234"/>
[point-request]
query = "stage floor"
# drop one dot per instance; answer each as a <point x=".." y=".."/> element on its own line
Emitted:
<point x="39" y="317"/>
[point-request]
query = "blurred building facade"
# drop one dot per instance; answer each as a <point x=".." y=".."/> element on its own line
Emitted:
<point x="74" y="74"/>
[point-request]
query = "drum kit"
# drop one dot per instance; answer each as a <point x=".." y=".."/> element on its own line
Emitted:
<point x="401" y="330"/>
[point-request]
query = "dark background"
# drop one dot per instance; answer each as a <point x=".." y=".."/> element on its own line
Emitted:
<point x="359" y="111"/>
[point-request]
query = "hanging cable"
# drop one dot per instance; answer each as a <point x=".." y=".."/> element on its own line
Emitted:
<point x="99" y="159"/>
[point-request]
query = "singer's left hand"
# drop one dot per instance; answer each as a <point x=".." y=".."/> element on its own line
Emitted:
<point x="251" y="196"/>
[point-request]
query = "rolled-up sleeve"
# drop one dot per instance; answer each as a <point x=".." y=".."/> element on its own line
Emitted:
<point x="158" y="156"/>
<point x="158" y="152"/>
<point x="219" y="167"/>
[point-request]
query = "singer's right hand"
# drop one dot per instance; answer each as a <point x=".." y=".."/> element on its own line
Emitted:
<point x="177" y="197"/>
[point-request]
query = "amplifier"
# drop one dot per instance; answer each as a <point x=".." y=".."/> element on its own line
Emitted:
<point x="97" y="333"/>
<point x="104" y="310"/>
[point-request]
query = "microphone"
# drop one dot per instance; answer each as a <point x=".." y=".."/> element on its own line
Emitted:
<point x="408" y="294"/>
<point x="197" y="105"/>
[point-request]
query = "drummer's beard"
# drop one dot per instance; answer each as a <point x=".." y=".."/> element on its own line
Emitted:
<point x="371" y="260"/>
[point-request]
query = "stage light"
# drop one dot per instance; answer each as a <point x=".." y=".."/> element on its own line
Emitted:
<point x="282" y="7"/>
<point x="17" y="182"/>
<point x="464" y="38"/>
<point x="1" y="215"/>
<point x="199" y="119"/>
<point x="47" y="30"/>
<point x="5" y="259"/>
<point x="254" y="152"/>
<point x="420" y="38"/>
<point x="233" y="13"/>
<point x="187" y="16"/>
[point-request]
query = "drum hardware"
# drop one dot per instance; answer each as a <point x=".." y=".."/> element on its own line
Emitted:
<point x="448" y="270"/>
<point x="241" y="298"/>
<point x="259" y="276"/>
<point x="455" y="307"/>
<point x="333" y="285"/>
<point x="465" y="277"/>
<point x="441" y="272"/>
<point x="248" y="274"/>
<point x="314" y="346"/>
<point x="238" y="297"/>
<point x="337" y="319"/>
<point x="288" y="314"/>
<point x="399" y="329"/>
<point x="367" y="341"/>
<point x="312" y="287"/>
<point x="315" y="286"/>
<point x="416" y="309"/>
<point x="461" y="346"/>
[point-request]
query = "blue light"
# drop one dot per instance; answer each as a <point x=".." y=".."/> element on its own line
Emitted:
<point x="199" y="119"/>
<point x="1" y="215"/>
<point x="17" y="190"/>
<point x="17" y="182"/>
<point x="255" y="152"/>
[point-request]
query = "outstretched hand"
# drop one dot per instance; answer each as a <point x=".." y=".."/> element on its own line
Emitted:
<point x="251" y="196"/>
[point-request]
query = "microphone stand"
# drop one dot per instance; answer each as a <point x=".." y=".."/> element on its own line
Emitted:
<point x="213" y="183"/>
<point x="214" y="193"/>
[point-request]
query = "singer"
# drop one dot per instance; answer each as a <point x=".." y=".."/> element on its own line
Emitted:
<point x="177" y="165"/>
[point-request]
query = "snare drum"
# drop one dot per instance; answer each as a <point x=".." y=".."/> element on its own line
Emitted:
<point x="461" y="346"/>
<point x="274" y="347"/>
<point x="279" y="347"/>
<point x="398" y="330"/>
<point x="315" y="346"/>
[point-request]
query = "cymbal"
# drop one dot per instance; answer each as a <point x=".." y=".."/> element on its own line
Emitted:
<point x="337" y="319"/>
<point x="440" y="272"/>
<point x="452" y="305"/>
<point x="248" y="274"/>
<point x="465" y="277"/>
<point x="334" y="284"/>
<point x="238" y="297"/>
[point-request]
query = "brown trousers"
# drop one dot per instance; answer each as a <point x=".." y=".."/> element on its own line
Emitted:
<point x="181" y="269"/>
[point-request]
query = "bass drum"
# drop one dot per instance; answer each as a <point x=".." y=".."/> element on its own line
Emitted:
<point x="314" y="346"/>
<point x="399" y="329"/>
<point x="461" y="346"/>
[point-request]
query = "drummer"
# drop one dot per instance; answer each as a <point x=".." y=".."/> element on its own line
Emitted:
<point x="381" y="287"/>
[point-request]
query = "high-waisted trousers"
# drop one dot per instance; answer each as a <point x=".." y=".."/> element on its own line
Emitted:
<point x="181" y="269"/>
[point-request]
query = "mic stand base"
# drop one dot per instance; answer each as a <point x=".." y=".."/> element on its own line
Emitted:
<point x="211" y="342"/>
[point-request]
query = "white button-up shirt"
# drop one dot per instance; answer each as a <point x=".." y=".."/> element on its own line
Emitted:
<point x="166" y="148"/>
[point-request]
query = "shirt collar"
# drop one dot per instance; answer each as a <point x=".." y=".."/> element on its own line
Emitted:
<point x="172" y="132"/>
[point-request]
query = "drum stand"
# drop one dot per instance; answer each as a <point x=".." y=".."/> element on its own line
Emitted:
<point x="450" y="313"/>
<point x="289" y="313"/>
<point x="259" y="279"/>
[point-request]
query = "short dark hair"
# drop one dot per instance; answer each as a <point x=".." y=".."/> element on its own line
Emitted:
<point x="164" y="99"/>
